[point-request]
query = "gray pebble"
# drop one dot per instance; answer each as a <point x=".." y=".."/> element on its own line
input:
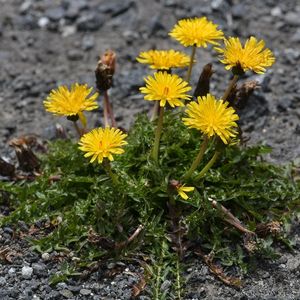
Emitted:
<point x="43" y="22"/>
<point x="45" y="256"/>
<point x="90" y="22"/>
<point x="296" y="36"/>
<point x="74" y="54"/>
<point x="62" y="286"/>
<point x="292" y="18"/>
<point x="276" y="11"/>
<point x="66" y="293"/>
<point x="2" y="281"/>
<point x="55" y="13"/>
<point x="27" y="272"/>
<point x="88" y="43"/>
<point x="85" y="292"/>
<point x="293" y="264"/>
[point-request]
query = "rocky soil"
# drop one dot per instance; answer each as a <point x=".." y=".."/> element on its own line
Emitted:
<point x="45" y="43"/>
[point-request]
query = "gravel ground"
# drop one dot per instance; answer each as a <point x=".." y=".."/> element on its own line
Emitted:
<point x="46" y="43"/>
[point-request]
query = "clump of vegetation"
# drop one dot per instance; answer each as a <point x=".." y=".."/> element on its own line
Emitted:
<point x="181" y="182"/>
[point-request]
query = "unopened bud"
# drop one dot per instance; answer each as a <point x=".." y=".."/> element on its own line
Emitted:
<point x="105" y="71"/>
<point x="202" y="88"/>
<point x="109" y="59"/>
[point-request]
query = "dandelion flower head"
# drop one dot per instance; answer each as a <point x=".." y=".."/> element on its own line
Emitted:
<point x="212" y="117"/>
<point x="65" y="102"/>
<point x="166" y="88"/>
<point x="102" y="142"/>
<point x="252" y="56"/>
<point x="196" y="31"/>
<point x="164" y="59"/>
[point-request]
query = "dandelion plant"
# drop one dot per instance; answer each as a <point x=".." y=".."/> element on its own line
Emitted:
<point x="178" y="184"/>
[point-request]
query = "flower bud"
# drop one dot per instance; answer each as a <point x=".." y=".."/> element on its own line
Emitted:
<point x="105" y="70"/>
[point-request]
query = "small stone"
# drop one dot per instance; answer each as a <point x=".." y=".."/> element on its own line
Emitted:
<point x="53" y="295"/>
<point x="27" y="291"/>
<point x="276" y="11"/>
<point x="155" y="24"/>
<point x="75" y="8"/>
<point x="116" y="7"/>
<point x="11" y="271"/>
<point x="74" y="289"/>
<point x="40" y="269"/>
<point x="8" y="230"/>
<point x="27" y="272"/>
<point x="90" y="22"/>
<point x="43" y="22"/>
<point x="66" y="293"/>
<point x="88" y="43"/>
<point x="85" y="292"/>
<point x="26" y="5"/>
<point x="13" y="293"/>
<point x="68" y="30"/>
<point x="265" y="275"/>
<point x="292" y="18"/>
<point x="55" y="13"/>
<point x="216" y="4"/>
<point x="170" y="3"/>
<point x="2" y="281"/>
<point x="238" y="11"/>
<point x="74" y="54"/>
<point x="32" y="257"/>
<point x="62" y="285"/>
<point x="130" y="35"/>
<point x="111" y="265"/>
<point x="296" y="36"/>
<point x="45" y="256"/>
<point x="293" y="263"/>
<point x="291" y="55"/>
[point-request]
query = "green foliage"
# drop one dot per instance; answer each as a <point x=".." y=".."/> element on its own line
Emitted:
<point x="85" y="198"/>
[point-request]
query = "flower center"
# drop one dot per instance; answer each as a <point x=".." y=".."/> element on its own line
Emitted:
<point x="166" y="91"/>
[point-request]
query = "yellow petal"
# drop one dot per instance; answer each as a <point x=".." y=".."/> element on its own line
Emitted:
<point x="183" y="195"/>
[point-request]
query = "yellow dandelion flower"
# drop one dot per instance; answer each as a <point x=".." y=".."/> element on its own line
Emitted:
<point x="212" y="117"/>
<point x="166" y="88"/>
<point x="164" y="59"/>
<point x="196" y="32"/>
<point x="102" y="142"/>
<point x="252" y="56"/>
<point x="65" y="102"/>
<point x="182" y="190"/>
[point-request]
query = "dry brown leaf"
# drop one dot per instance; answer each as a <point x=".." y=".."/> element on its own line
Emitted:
<point x="138" y="288"/>
<point x="218" y="270"/>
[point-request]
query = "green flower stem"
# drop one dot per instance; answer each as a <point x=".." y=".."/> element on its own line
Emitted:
<point x="155" y="111"/>
<point x="189" y="72"/>
<point x="107" y="167"/>
<point x="78" y="130"/>
<point x="198" y="159"/>
<point x="110" y="112"/>
<point x="105" y="109"/>
<point x="158" y="134"/>
<point x="230" y="87"/>
<point x="172" y="200"/>
<point x="208" y="165"/>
